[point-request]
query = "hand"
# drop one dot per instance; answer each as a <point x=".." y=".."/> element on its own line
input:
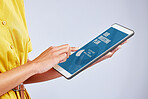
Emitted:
<point x="110" y="54"/>
<point x="52" y="56"/>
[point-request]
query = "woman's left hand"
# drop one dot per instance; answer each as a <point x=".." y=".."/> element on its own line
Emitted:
<point x="110" y="54"/>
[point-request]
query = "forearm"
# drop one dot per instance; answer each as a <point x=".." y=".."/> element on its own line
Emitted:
<point x="12" y="78"/>
<point x="49" y="75"/>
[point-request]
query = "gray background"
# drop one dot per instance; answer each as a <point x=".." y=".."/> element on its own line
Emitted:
<point x="56" y="22"/>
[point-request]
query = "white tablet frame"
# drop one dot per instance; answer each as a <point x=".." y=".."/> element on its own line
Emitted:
<point x="67" y="75"/>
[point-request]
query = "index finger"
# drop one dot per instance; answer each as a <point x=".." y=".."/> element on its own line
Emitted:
<point x="74" y="48"/>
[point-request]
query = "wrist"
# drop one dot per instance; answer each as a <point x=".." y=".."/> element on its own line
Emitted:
<point x="33" y="68"/>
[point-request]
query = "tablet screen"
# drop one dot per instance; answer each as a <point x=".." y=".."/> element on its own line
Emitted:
<point x="92" y="50"/>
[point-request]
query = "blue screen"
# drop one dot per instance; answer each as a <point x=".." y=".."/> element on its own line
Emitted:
<point x="92" y="50"/>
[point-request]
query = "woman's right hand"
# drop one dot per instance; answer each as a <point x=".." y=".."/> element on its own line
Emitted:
<point x="41" y="64"/>
<point x="52" y="56"/>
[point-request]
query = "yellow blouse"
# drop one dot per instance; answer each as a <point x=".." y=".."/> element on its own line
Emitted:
<point x="14" y="39"/>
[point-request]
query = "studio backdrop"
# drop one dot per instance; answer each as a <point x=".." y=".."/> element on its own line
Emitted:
<point x="75" y="22"/>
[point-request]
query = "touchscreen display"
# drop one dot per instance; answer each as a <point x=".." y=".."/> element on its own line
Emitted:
<point x="93" y="49"/>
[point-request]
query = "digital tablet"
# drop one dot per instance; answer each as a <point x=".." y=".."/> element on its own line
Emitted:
<point x="94" y="50"/>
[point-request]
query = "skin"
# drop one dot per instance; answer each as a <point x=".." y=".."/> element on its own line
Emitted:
<point x="40" y="69"/>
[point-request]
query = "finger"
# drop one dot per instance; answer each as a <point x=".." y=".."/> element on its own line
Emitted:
<point x="69" y="52"/>
<point x="63" y="50"/>
<point x="63" y="60"/>
<point x="62" y="57"/>
<point x="110" y="54"/>
<point x="65" y="46"/>
<point x="61" y="46"/>
<point x="74" y="48"/>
